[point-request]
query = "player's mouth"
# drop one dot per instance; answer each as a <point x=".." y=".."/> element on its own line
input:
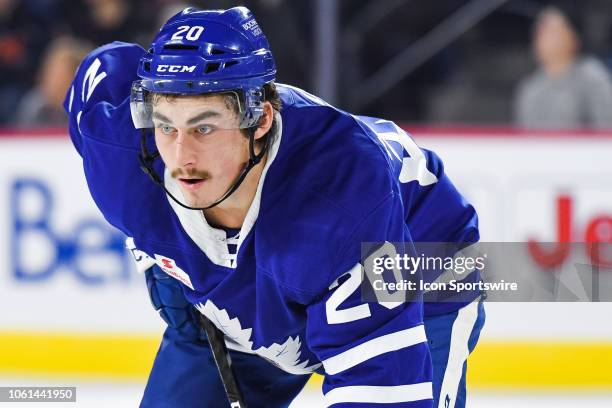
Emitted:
<point x="191" y="184"/>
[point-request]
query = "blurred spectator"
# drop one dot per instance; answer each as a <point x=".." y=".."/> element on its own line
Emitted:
<point x="42" y="106"/>
<point x="24" y="34"/>
<point x="167" y="10"/>
<point x="568" y="90"/>
<point x="105" y="21"/>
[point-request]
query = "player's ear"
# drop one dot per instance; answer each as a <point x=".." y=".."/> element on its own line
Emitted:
<point x="265" y="122"/>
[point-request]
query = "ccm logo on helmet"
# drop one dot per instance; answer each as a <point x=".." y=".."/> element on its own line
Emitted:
<point x="176" y="68"/>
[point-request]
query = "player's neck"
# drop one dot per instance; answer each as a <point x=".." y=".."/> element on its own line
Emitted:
<point x="232" y="212"/>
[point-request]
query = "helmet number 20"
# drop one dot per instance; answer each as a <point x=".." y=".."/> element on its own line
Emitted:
<point x="192" y="33"/>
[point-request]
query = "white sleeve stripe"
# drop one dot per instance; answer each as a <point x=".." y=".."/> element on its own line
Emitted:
<point x="78" y="118"/>
<point x="374" y="348"/>
<point x="380" y="394"/>
<point x="458" y="350"/>
<point x="71" y="98"/>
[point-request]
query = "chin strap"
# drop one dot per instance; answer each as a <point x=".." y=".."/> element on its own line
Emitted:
<point x="147" y="158"/>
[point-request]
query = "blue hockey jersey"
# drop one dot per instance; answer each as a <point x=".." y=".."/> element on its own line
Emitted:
<point x="287" y="286"/>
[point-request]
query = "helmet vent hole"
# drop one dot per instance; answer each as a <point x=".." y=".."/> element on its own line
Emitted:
<point x="180" y="47"/>
<point x="147" y="66"/>
<point x="216" y="51"/>
<point x="212" y="67"/>
<point x="230" y="64"/>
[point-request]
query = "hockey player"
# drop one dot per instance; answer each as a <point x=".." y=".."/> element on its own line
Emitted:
<point x="250" y="214"/>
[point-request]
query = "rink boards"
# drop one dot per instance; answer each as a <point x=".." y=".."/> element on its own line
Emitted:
<point x="72" y="304"/>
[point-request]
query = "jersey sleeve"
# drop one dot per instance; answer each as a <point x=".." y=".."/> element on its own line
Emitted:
<point x="439" y="214"/>
<point x="371" y="353"/>
<point x="440" y="220"/>
<point x="102" y="131"/>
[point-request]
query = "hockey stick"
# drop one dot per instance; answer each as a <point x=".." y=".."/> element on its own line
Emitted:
<point x="224" y="363"/>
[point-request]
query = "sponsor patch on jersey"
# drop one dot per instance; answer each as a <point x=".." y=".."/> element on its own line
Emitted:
<point x="169" y="266"/>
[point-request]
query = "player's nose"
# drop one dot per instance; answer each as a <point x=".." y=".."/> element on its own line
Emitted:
<point x="185" y="149"/>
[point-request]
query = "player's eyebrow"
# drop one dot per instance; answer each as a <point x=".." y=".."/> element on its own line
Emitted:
<point x="194" y="120"/>
<point x="202" y="116"/>
<point x="161" y="117"/>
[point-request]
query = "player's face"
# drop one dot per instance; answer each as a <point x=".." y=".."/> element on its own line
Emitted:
<point x="200" y="143"/>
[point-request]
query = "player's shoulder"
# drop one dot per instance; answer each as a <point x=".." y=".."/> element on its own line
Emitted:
<point x="355" y="146"/>
<point x="324" y="125"/>
<point x="105" y="74"/>
<point x="97" y="101"/>
<point x="116" y="58"/>
<point x="329" y="141"/>
<point x="294" y="97"/>
<point x="116" y="55"/>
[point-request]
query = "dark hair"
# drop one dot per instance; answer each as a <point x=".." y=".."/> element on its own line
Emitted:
<point x="570" y="13"/>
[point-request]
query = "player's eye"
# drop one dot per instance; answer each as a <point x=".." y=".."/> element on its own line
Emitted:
<point x="166" y="129"/>
<point x="205" y="129"/>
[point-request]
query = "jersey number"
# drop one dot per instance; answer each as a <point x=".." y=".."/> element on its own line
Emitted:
<point x="414" y="167"/>
<point x="348" y="287"/>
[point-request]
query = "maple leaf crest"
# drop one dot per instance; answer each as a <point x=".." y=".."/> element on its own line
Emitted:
<point x="286" y="355"/>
